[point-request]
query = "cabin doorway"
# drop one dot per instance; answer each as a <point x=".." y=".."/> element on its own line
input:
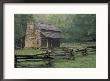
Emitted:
<point x="49" y="43"/>
<point x="52" y="43"/>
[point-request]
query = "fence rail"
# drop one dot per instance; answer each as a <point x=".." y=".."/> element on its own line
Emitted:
<point x="48" y="56"/>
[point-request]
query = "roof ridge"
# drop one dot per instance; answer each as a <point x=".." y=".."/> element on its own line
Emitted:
<point x="46" y="26"/>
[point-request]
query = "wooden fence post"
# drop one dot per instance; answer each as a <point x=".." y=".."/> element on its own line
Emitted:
<point x="72" y="54"/>
<point x="84" y="52"/>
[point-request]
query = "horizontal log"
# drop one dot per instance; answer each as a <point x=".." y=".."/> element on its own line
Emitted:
<point x="21" y="60"/>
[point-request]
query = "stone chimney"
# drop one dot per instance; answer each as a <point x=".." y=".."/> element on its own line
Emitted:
<point x="30" y="38"/>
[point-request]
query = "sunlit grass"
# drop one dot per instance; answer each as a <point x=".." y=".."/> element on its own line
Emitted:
<point x="28" y="51"/>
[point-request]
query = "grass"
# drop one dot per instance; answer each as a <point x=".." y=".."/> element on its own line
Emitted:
<point x="28" y="51"/>
<point x="77" y="45"/>
<point x="88" y="61"/>
<point x="80" y="61"/>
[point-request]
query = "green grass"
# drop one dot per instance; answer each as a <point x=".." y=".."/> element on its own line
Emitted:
<point x="76" y="45"/>
<point x="28" y="64"/>
<point x="28" y="51"/>
<point x="80" y="61"/>
<point x="88" y="61"/>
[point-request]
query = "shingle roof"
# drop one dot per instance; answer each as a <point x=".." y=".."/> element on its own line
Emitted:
<point x="52" y="34"/>
<point x="49" y="31"/>
<point x="46" y="27"/>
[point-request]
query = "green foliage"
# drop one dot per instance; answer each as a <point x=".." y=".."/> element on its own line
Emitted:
<point x="75" y="27"/>
<point x="85" y="27"/>
<point x="20" y="23"/>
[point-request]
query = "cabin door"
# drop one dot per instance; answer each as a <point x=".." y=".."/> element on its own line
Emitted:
<point x="49" y="43"/>
<point x="55" y="43"/>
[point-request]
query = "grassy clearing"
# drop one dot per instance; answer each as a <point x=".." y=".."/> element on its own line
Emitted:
<point x="88" y="61"/>
<point x="31" y="51"/>
<point x="74" y="45"/>
<point x="80" y="62"/>
<point x="28" y="51"/>
<point x="77" y="45"/>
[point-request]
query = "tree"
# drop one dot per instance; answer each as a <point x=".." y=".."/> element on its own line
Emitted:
<point x="20" y="23"/>
<point x="75" y="27"/>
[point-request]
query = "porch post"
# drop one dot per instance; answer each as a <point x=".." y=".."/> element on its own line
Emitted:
<point x="47" y="42"/>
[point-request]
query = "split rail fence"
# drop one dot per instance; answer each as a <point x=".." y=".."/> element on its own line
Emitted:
<point x="59" y="53"/>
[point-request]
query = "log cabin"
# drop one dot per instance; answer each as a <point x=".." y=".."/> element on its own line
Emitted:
<point x="41" y="35"/>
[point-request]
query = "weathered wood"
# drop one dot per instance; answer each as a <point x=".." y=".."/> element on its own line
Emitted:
<point x="50" y="54"/>
<point x="33" y="60"/>
<point x="42" y="35"/>
<point x="82" y="50"/>
<point x="46" y="57"/>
